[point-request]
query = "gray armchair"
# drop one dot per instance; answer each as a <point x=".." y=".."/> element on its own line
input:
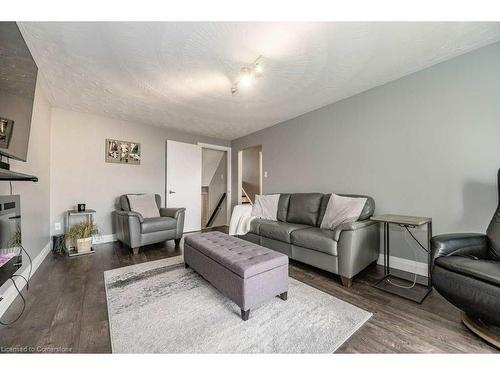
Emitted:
<point x="135" y="231"/>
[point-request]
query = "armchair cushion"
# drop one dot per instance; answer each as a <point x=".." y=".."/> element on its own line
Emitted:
<point x="158" y="224"/>
<point x="485" y="270"/>
<point x="315" y="238"/>
<point x="145" y="204"/>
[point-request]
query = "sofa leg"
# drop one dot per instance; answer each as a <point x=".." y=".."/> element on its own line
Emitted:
<point x="186" y="265"/>
<point x="135" y="250"/>
<point x="177" y="242"/>
<point x="283" y="296"/>
<point x="245" y="314"/>
<point x="346" y="281"/>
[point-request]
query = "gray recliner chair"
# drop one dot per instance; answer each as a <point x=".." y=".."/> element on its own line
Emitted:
<point x="135" y="231"/>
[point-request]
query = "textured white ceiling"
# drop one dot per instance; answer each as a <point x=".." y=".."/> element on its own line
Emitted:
<point x="178" y="75"/>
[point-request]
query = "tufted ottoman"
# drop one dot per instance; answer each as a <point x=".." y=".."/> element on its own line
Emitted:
<point x="246" y="273"/>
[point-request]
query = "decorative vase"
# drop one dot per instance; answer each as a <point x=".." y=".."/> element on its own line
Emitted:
<point x="84" y="245"/>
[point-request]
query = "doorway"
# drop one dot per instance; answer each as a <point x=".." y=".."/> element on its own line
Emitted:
<point x="198" y="177"/>
<point x="249" y="174"/>
<point x="215" y="186"/>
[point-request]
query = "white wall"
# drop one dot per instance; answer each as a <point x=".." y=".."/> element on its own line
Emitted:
<point x="79" y="173"/>
<point x="210" y="160"/>
<point x="35" y="197"/>
<point x="426" y="144"/>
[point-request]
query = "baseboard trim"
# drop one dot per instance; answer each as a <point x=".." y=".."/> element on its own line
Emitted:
<point x="105" y="238"/>
<point x="405" y="265"/>
<point x="11" y="293"/>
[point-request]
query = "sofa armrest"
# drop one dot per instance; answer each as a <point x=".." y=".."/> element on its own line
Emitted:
<point x="351" y="226"/>
<point x="178" y="214"/>
<point x="463" y="244"/>
<point x="358" y="246"/>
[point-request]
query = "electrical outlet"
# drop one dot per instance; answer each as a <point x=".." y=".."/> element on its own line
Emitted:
<point x="57" y="226"/>
<point x="265" y="174"/>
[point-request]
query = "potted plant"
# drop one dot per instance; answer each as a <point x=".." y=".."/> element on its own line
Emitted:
<point x="81" y="235"/>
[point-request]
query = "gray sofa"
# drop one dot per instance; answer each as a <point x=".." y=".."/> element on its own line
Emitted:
<point x="135" y="231"/>
<point x="345" y="251"/>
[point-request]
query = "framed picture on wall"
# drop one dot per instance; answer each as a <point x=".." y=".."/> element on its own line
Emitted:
<point x="123" y="152"/>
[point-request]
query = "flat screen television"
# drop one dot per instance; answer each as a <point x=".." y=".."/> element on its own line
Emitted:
<point x="18" y="73"/>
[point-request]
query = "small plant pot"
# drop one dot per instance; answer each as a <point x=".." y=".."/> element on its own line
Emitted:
<point x="84" y="245"/>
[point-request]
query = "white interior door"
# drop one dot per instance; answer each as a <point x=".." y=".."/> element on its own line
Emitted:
<point x="184" y="181"/>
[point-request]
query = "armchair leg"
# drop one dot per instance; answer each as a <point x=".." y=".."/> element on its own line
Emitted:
<point x="245" y="314"/>
<point x="346" y="281"/>
<point x="135" y="250"/>
<point x="177" y="242"/>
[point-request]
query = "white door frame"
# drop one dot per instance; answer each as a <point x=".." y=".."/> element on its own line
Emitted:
<point x="228" y="173"/>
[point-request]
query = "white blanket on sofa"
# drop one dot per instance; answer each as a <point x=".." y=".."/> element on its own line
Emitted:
<point x="241" y="219"/>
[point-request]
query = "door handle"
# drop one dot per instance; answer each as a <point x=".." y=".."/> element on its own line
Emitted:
<point x="171" y="192"/>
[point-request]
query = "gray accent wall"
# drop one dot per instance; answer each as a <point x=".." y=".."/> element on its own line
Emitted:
<point x="80" y="174"/>
<point x="426" y="144"/>
<point x="35" y="197"/>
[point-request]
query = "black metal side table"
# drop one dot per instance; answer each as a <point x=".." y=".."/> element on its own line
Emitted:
<point x="421" y="288"/>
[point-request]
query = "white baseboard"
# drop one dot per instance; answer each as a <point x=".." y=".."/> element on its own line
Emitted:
<point x="11" y="293"/>
<point x="105" y="238"/>
<point x="405" y="265"/>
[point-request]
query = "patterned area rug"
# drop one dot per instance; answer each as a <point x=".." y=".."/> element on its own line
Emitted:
<point x="161" y="307"/>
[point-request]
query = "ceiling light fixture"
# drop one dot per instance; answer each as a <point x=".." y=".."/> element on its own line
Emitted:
<point x="247" y="75"/>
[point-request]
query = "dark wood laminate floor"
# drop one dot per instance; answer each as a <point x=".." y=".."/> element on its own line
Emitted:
<point x="66" y="308"/>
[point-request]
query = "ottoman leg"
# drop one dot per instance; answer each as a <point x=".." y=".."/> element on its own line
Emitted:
<point x="245" y="314"/>
<point x="283" y="296"/>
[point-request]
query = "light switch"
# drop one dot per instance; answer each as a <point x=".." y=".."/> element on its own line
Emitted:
<point x="57" y="226"/>
<point x="265" y="174"/>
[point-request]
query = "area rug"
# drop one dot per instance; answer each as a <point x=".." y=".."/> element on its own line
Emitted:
<point x="161" y="307"/>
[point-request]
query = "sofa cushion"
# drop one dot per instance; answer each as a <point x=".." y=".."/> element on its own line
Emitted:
<point x="366" y="213"/>
<point x="266" y="206"/>
<point x="485" y="270"/>
<point x="279" y="231"/>
<point x="341" y="210"/>
<point x="256" y="223"/>
<point x="283" y="207"/>
<point x="158" y="224"/>
<point x="303" y="208"/>
<point x="316" y="239"/>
